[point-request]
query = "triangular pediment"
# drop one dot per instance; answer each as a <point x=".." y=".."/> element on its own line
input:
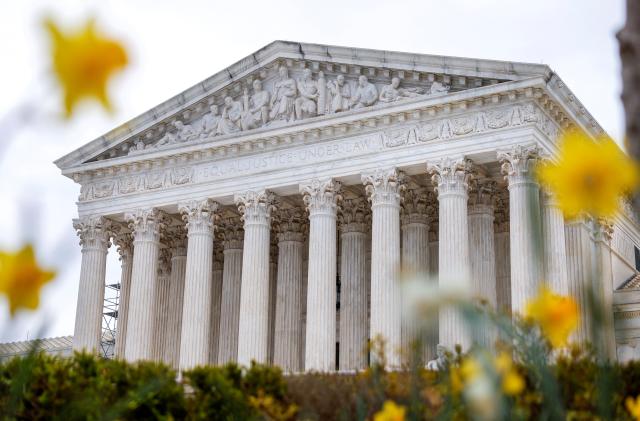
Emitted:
<point x="286" y="82"/>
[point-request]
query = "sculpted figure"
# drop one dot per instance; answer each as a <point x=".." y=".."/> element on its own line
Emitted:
<point x="393" y="92"/>
<point x="438" y="87"/>
<point x="366" y="94"/>
<point x="305" y="104"/>
<point x="284" y="93"/>
<point x="440" y="363"/>
<point x="139" y="146"/>
<point x="184" y="133"/>
<point x="209" y="122"/>
<point x="340" y="94"/>
<point x="230" y="119"/>
<point x="257" y="110"/>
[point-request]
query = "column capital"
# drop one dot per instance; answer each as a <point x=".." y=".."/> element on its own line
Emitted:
<point x="601" y="229"/>
<point x="451" y="176"/>
<point x="384" y="185"/>
<point x="415" y="206"/>
<point x="482" y="196"/>
<point x="176" y="239"/>
<point x="292" y="225"/>
<point x="354" y="216"/>
<point x="124" y="242"/>
<point x="95" y="232"/>
<point x="321" y="196"/>
<point x="199" y="215"/>
<point x="232" y="233"/>
<point x="518" y="164"/>
<point x="256" y="206"/>
<point x="146" y="224"/>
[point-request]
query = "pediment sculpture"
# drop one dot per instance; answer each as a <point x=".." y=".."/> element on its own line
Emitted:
<point x="285" y="100"/>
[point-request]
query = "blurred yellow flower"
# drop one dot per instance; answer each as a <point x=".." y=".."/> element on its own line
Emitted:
<point x="590" y="175"/>
<point x="83" y="62"/>
<point x="556" y="315"/>
<point x="21" y="278"/>
<point x="512" y="382"/>
<point x="633" y="406"/>
<point x="390" y="412"/>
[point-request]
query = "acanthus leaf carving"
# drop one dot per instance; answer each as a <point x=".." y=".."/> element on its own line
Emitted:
<point x="256" y="206"/>
<point x="95" y="232"/>
<point x="199" y="215"/>
<point x="321" y="195"/>
<point x="384" y="186"/>
<point x="451" y="175"/>
<point x="354" y="215"/>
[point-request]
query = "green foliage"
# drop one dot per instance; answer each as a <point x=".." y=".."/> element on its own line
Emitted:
<point x="85" y="387"/>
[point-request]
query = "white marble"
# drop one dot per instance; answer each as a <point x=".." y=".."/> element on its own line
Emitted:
<point x="321" y="197"/>
<point x="124" y="242"/>
<point x="451" y="181"/>
<point x="216" y="304"/>
<point x="161" y="306"/>
<point x="177" y="242"/>
<point x="233" y="235"/>
<point x="384" y="190"/>
<point x="273" y="293"/>
<point x="555" y="252"/>
<point x="146" y="225"/>
<point x="288" y="320"/>
<point x="525" y="231"/>
<point x="196" y="309"/>
<point x="355" y="219"/>
<point x="253" y="324"/>
<point x="95" y="234"/>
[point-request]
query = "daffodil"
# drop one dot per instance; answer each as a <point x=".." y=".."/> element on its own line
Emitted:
<point x="556" y="315"/>
<point x="21" y="278"/>
<point x="390" y="412"/>
<point x="589" y="176"/>
<point x="511" y="381"/>
<point x="633" y="406"/>
<point x="83" y="63"/>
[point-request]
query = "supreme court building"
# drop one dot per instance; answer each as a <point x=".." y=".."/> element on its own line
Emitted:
<point x="264" y="213"/>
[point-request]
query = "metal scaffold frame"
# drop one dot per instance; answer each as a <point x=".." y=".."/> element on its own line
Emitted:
<point x="110" y="319"/>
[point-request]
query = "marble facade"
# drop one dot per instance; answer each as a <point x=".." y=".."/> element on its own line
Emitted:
<point x="241" y="207"/>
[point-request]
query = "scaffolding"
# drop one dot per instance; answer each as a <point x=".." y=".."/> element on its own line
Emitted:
<point x="110" y="319"/>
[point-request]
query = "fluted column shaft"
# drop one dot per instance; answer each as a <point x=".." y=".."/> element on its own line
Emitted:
<point x="451" y="180"/>
<point x="525" y="229"/>
<point x="196" y="309"/>
<point x="603" y="288"/>
<point x="125" y="249"/>
<point x="231" y="284"/>
<point x="161" y="303"/>
<point x="146" y="225"/>
<point x="321" y="199"/>
<point x="216" y="304"/>
<point x="415" y="261"/>
<point x="95" y="234"/>
<point x="555" y="252"/>
<point x="273" y="294"/>
<point x="354" y="330"/>
<point x="288" y="329"/>
<point x="176" y="298"/>
<point x="253" y="338"/>
<point x="482" y="260"/>
<point x="383" y="188"/>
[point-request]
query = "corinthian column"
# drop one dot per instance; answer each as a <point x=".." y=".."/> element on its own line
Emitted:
<point x="161" y="304"/>
<point x="273" y="292"/>
<point x="415" y="256"/>
<point x="95" y="233"/>
<point x="482" y="252"/>
<point x="555" y="251"/>
<point x="146" y="225"/>
<point x="605" y="338"/>
<point x="232" y="233"/>
<point x="525" y="232"/>
<point x="124" y="242"/>
<point x="503" y="254"/>
<point x="196" y="310"/>
<point x="253" y="341"/>
<point x="353" y="293"/>
<point x="451" y="178"/>
<point x="383" y="188"/>
<point x="321" y="197"/>
<point x="177" y="242"/>
<point x="288" y="326"/>
<point x="216" y="303"/>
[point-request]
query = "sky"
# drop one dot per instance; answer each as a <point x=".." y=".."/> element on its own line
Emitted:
<point x="174" y="45"/>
